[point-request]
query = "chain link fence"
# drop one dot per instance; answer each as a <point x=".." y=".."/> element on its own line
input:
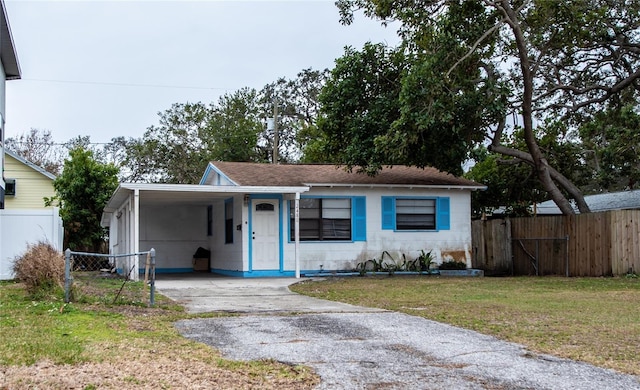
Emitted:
<point x="111" y="279"/>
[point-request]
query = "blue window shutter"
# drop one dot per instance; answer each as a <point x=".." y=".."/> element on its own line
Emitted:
<point x="359" y="205"/>
<point x="388" y="212"/>
<point x="443" y="219"/>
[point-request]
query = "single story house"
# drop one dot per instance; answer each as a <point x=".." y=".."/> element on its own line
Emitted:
<point x="260" y="220"/>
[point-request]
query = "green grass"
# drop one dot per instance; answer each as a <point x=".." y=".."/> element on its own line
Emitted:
<point x="596" y="320"/>
<point x="33" y="330"/>
<point x="95" y="330"/>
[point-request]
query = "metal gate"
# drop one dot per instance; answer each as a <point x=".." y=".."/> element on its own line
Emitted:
<point x="97" y="265"/>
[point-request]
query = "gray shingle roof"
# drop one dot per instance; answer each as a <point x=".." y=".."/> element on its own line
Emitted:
<point x="254" y="174"/>
<point x="623" y="200"/>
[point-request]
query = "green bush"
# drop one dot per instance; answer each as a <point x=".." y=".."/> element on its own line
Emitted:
<point x="452" y="264"/>
<point x="40" y="268"/>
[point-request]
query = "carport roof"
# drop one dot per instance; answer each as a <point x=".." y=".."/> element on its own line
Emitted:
<point x="185" y="194"/>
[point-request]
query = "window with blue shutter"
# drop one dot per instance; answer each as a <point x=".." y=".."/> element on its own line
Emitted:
<point x="328" y="219"/>
<point x="359" y="213"/>
<point x="416" y="214"/>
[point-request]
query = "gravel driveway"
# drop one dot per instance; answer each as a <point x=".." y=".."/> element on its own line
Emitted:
<point x="353" y="349"/>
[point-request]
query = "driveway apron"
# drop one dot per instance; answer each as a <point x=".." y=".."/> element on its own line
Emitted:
<point x="351" y="347"/>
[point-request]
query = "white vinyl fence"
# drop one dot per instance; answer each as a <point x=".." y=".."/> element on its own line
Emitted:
<point x="21" y="227"/>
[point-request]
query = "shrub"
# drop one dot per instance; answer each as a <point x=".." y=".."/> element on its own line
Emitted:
<point x="40" y="268"/>
<point x="452" y="264"/>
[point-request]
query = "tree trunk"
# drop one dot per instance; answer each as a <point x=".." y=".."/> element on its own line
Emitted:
<point x="540" y="162"/>
<point x="558" y="177"/>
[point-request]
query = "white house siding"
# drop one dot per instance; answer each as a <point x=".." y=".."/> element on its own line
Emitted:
<point x="22" y="227"/>
<point x="120" y="241"/>
<point x="31" y="186"/>
<point x="454" y="243"/>
<point x="4" y="265"/>
<point x="229" y="256"/>
<point x="3" y="78"/>
<point x="175" y="232"/>
<point x="4" y="273"/>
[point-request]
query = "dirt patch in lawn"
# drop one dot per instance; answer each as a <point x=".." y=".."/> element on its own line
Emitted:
<point x="146" y="372"/>
<point x="138" y="364"/>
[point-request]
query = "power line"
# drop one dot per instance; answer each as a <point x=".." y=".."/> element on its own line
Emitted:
<point x="56" y="143"/>
<point x="114" y="84"/>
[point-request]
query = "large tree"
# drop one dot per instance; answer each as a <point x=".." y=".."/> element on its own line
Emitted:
<point x="173" y="151"/>
<point x="82" y="190"/>
<point x="359" y="103"/>
<point x="297" y="105"/>
<point x="553" y="60"/>
<point x="234" y="128"/>
<point x="611" y="147"/>
<point x="38" y="147"/>
<point x="512" y="184"/>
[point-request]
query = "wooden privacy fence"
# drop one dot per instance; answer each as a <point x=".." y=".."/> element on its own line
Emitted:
<point x="594" y="244"/>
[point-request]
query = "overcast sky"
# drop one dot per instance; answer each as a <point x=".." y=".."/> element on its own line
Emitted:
<point x="106" y="69"/>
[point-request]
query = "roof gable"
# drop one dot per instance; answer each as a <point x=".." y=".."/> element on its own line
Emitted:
<point x="29" y="164"/>
<point x="7" y="50"/>
<point x="255" y="174"/>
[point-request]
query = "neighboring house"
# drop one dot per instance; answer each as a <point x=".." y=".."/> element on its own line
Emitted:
<point x="25" y="219"/>
<point x="26" y="184"/>
<point x="624" y="200"/>
<point x="10" y="70"/>
<point x="246" y="215"/>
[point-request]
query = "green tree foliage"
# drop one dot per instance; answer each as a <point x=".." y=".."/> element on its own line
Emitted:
<point x="360" y="103"/>
<point x="512" y="184"/>
<point x="82" y="190"/>
<point x="550" y="60"/>
<point x="611" y="145"/>
<point x="297" y="104"/>
<point x="173" y="151"/>
<point x="234" y="128"/>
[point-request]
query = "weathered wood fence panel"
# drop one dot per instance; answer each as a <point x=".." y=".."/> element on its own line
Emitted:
<point x="625" y="232"/>
<point x="491" y="249"/>
<point x="595" y="244"/>
<point x="590" y="244"/>
<point x="539" y="246"/>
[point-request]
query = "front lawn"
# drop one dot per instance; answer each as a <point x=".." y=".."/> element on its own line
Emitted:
<point x="95" y="344"/>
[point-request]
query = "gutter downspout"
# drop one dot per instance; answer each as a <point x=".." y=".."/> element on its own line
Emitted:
<point x="297" y="234"/>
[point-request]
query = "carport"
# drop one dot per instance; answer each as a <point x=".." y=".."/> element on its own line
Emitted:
<point x="177" y="219"/>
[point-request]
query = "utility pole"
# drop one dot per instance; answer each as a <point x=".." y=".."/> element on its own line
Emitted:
<point x="276" y="140"/>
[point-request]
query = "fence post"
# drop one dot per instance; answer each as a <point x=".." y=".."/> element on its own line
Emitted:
<point x="566" y="245"/>
<point x="67" y="275"/>
<point x="537" y="257"/>
<point x="152" y="252"/>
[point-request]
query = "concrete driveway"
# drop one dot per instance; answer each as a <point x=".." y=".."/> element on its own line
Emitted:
<point x="357" y="348"/>
<point x="202" y="293"/>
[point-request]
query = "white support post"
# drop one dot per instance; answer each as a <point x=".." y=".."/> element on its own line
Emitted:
<point x="136" y="234"/>
<point x="297" y="233"/>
